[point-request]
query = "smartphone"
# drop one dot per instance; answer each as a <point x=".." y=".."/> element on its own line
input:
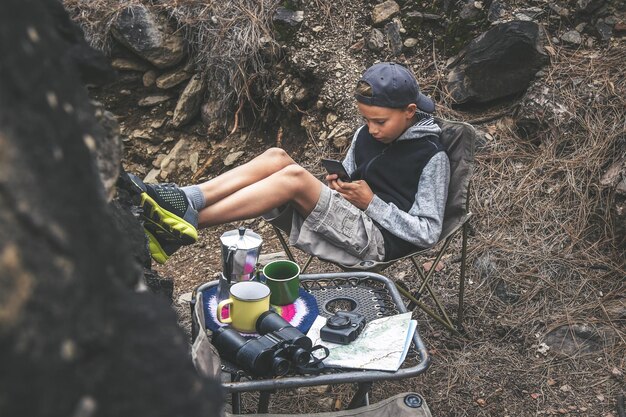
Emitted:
<point x="336" y="167"/>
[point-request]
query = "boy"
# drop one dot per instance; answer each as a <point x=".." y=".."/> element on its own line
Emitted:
<point x="394" y="204"/>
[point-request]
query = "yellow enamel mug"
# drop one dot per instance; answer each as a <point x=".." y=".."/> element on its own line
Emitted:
<point x="247" y="301"/>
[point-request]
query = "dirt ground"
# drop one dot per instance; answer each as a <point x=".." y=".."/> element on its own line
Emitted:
<point x="496" y="369"/>
<point x="523" y="197"/>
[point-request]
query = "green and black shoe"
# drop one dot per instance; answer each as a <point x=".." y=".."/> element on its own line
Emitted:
<point x="169" y="220"/>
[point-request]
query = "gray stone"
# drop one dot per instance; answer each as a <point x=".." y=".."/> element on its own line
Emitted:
<point x="384" y="11"/>
<point x="188" y="105"/>
<point x="589" y="6"/>
<point x="579" y="338"/>
<point x="232" y="158"/>
<point x="288" y="17"/>
<point x="148" y="35"/>
<point x="410" y="42"/>
<point x="560" y="10"/>
<point x="149" y="78"/>
<point x="172" y="162"/>
<point x="496" y="11"/>
<point x="151" y="101"/>
<point x="572" y="37"/>
<point x="605" y="31"/>
<point x="127" y="64"/>
<point x="498" y="63"/>
<point x="209" y="114"/>
<point x="376" y="40"/>
<point x="392" y="30"/>
<point x="172" y="78"/>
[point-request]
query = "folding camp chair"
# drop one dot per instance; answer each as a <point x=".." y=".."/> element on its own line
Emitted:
<point x="459" y="139"/>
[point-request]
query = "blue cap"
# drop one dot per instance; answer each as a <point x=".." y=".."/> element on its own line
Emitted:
<point x="393" y="86"/>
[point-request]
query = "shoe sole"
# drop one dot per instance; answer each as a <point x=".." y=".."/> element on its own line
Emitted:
<point x="156" y="251"/>
<point x="179" y="228"/>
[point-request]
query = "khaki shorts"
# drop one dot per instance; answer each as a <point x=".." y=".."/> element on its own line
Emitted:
<point x="335" y="230"/>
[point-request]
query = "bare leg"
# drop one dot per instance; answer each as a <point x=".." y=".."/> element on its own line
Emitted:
<point x="264" y="165"/>
<point x="292" y="184"/>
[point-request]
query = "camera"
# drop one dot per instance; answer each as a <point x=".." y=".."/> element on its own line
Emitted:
<point x="343" y="327"/>
<point x="280" y="347"/>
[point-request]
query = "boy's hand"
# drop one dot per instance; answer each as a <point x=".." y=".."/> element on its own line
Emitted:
<point x="357" y="192"/>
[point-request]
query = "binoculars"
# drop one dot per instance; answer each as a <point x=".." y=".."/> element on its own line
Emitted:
<point x="279" y="348"/>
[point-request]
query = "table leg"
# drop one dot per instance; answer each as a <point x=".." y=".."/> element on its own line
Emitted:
<point x="360" y="397"/>
<point x="235" y="396"/>
<point x="264" y="402"/>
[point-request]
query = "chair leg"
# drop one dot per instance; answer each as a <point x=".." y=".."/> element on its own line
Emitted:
<point x="447" y="324"/>
<point x="360" y="397"/>
<point x="459" y="313"/>
<point x="414" y="299"/>
<point x="283" y="243"/>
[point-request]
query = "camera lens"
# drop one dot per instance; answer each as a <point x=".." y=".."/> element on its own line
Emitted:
<point x="338" y="322"/>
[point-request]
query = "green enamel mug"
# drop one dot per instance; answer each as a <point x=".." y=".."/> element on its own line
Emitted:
<point x="283" y="279"/>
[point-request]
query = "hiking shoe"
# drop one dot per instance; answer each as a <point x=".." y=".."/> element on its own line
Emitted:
<point x="168" y="218"/>
<point x="161" y="250"/>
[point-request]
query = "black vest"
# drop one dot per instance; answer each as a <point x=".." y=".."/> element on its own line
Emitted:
<point x="393" y="172"/>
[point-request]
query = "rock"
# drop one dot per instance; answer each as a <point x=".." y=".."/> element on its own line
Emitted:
<point x="232" y="158"/>
<point x="604" y="30"/>
<point x="74" y="329"/>
<point x="209" y="113"/>
<point x="410" y="43"/>
<point x="498" y="63"/>
<point x="376" y="40"/>
<point x="189" y="102"/>
<point x="193" y="161"/>
<point x="140" y="134"/>
<point x="172" y="162"/>
<point x="497" y="10"/>
<point x="288" y="17"/>
<point x="392" y="30"/>
<point x="173" y="78"/>
<point x="149" y="78"/>
<point x="341" y="142"/>
<point x="384" y="11"/>
<point x="151" y="101"/>
<point x="149" y="36"/>
<point x="560" y="10"/>
<point x="589" y="6"/>
<point x="157" y="124"/>
<point x="127" y="64"/>
<point x="153" y="176"/>
<point x="575" y="339"/>
<point x="158" y="160"/>
<point x="470" y="12"/>
<point x="572" y="37"/>
<point x="358" y="45"/>
<point x="108" y="149"/>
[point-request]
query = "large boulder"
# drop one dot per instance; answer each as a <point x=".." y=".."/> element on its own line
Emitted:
<point x="149" y="35"/>
<point x="76" y="339"/>
<point x="500" y="62"/>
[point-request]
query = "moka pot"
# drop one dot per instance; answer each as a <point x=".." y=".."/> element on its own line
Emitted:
<point x="240" y="253"/>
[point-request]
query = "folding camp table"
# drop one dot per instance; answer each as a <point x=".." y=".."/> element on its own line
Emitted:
<point x="370" y="294"/>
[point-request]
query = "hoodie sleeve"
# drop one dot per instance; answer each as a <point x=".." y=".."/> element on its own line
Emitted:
<point x="422" y="224"/>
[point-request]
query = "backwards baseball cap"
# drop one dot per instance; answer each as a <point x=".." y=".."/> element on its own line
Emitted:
<point x="393" y="86"/>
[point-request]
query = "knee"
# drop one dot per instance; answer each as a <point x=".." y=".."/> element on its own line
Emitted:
<point x="278" y="157"/>
<point x="294" y="175"/>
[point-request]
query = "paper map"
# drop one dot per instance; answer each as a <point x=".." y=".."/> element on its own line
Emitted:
<point x="382" y="345"/>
